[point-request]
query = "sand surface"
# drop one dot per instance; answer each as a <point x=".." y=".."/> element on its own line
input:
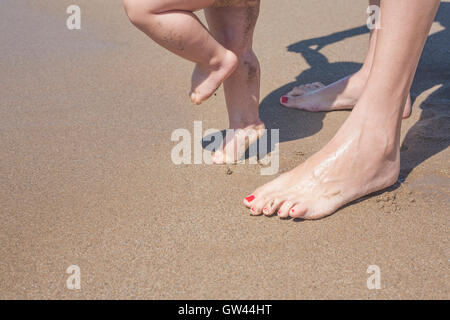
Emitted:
<point x="86" y="176"/>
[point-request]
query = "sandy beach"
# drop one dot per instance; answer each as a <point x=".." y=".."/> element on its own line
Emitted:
<point x="86" y="176"/>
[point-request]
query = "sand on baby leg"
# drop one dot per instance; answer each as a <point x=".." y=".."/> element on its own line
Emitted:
<point x="232" y="23"/>
<point x="174" y="26"/>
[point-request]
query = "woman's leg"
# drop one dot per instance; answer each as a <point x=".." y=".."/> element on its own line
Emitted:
<point x="364" y="155"/>
<point x="172" y="24"/>
<point x="340" y="95"/>
<point x="233" y="24"/>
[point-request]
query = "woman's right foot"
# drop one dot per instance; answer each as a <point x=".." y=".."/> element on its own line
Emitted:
<point x="340" y="95"/>
<point x="206" y="79"/>
<point x="363" y="157"/>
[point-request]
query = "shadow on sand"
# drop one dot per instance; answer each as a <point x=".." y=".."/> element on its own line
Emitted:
<point x="430" y="134"/>
<point x="427" y="137"/>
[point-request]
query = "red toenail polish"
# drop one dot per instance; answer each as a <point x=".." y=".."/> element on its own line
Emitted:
<point x="292" y="210"/>
<point x="250" y="198"/>
<point x="284" y="99"/>
<point x="253" y="209"/>
<point x="279" y="213"/>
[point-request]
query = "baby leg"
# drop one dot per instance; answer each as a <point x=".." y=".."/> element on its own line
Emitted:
<point x="232" y="24"/>
<point x="172" y="24"/>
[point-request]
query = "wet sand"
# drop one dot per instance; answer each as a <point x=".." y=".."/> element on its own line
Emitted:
<point x="87" y="179"/>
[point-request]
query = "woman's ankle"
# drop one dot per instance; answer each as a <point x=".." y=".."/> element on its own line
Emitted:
<point x="359" y="79"/>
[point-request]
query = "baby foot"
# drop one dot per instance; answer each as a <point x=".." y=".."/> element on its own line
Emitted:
<point x="236" y="142"/>
<point x="206" y="79"/>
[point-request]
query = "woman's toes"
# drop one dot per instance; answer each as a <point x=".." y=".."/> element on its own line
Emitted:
<point x="258" y="206"/>
<point x="284" y="100"/>
<point x="295" y="92"/>
<point x="291" y="98"/>
<point x="298" y="91"/>
<point x="248" y="200"/>
<point x="318" y="85"/>
<point x="314" y="86"/>
<point x="297" y="211"/>
<point x="272" y="206"/>
<point x="266" y="210"/>
<point x="253" y="211"/>
<point x="283" y="212"/>
<point x="292" y="102"/>
<point x="301" y="90"/>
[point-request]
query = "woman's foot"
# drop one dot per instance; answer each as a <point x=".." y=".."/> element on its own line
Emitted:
<point x="206" y="79"/>
<point x="362" y="158"/>
<point x="237" y="140"/>
<point x="340" y="95"/>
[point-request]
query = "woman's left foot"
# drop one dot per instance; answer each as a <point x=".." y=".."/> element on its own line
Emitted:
<point x="340" y="95"/>
<point x="362" y="158"/>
